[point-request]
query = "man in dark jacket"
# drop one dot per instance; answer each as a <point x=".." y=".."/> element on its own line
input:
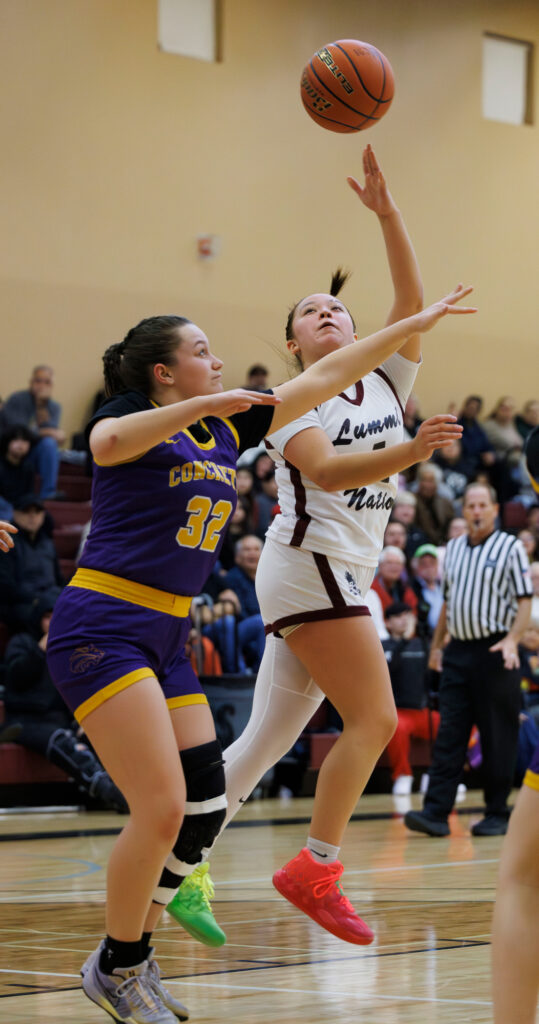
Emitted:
<point x="30" y="570"/>
<point x="239" y="582"/>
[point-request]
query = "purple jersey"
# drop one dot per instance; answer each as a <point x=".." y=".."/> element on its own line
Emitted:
<point x="160" y="519"/>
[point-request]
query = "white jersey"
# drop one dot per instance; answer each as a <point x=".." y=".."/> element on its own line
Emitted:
<point x="346" y="524"/>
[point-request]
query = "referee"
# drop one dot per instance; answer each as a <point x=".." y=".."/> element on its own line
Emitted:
<point x="487" y="602"/>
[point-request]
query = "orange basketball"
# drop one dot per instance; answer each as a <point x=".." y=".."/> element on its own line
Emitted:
<point x="347" y="86"/>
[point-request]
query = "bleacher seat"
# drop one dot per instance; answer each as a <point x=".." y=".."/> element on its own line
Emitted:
<point x="514" y="515"/>
<point x="68" y="513"/>
<point x="67" y="540"/>
<point x="75" y="488"/>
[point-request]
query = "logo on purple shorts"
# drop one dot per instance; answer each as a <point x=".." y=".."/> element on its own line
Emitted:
<point x="85" y="657"/>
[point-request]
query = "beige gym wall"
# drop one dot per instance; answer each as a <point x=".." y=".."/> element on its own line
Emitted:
<point x="115" y="156"/>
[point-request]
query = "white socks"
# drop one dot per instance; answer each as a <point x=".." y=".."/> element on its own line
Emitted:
<point x="324" y="853"/>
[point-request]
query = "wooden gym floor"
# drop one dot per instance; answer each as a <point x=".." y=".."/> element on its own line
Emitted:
<point x="428" y="900"/>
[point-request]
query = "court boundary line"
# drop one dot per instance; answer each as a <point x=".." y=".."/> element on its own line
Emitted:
<point x="258" y="823"/>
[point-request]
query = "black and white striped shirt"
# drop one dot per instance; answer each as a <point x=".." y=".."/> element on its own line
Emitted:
<point x="482" y="584"/>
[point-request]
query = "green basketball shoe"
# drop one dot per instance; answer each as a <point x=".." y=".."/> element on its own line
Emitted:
<point x="191" y="907"/>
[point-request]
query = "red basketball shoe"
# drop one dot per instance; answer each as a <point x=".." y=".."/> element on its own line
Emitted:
<point x="314" y="889"/>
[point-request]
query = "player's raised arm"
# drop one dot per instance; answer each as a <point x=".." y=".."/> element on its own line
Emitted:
<point x="403" y="265"/>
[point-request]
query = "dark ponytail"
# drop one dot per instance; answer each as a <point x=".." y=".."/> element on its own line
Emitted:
<point x="338" y="280"/>
<point x="127" y="364"/>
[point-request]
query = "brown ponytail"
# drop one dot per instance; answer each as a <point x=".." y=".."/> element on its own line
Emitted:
<point x="127" y="365"/>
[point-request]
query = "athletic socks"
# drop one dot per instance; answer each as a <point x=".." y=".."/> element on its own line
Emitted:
<point x="119" y="954"/>
<point x="324" y="853"/>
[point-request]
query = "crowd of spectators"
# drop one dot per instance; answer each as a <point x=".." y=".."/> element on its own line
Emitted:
<point x="228" y="633"/>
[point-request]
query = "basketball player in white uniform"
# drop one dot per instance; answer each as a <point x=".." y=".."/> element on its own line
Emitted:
<point x="318" y="562"/>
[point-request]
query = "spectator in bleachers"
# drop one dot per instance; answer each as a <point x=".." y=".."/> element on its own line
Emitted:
<point x="411" y="419"/>
<point x="433" y="511"/>
<point x="238" y="526"/>
<point x="500" y="427"/>
<point x="266" y="504"/>
<point x="203" y="654"/>
<point x="453" y="466"/>
<point x="257" y="378"/>
<point x="388" y="582"/>
<point x="17" y="475"/>
<point x="36" y="409"/>
<point x="477" y="450"/>
<point x="37" y="718"/>
<point x="407" y="658"/>
<point x="456" y="527"/>
<point x="427" y="587"/>
<point x="404" y="511"/>
<point x="526" y="420"/>
<point x="395" y="535"/>
<point x="240" y="581"/>
<point x="30" y="572"/>
<point x="530" y="544"/>
<point x="507" y="474"/>
<point x="245" y="486"/>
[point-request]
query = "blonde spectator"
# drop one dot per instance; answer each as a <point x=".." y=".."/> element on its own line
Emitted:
<point x="526" y="420"/>
<point x="500" y="427"/>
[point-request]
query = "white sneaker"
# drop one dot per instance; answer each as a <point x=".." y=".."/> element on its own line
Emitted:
<point x="424" y="784"/>
<point x="127" y="994"/>
<point x="166" y="997"/>
<point x="461" y="793"/>
<point x="402" y="785"/>
<point x="402" y="804"/>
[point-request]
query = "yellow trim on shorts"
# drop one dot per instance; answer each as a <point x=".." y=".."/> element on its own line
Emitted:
<point x="531" y="779"/>
<point x="135" y="593"/>
<point x="117" y="686"/>
<point x="186" y="700"/>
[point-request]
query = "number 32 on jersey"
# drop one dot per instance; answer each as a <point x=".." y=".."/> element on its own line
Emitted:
<point x="205" y="524"/>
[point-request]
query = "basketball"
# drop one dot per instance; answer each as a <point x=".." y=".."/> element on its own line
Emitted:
<point x="347" y="86"/>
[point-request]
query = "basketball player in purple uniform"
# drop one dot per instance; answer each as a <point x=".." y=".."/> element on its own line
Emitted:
<point x="515" y="929"/>
<point x="165" y="448"/>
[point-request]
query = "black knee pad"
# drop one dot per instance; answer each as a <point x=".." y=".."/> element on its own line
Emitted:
<point x="205" y="808"/>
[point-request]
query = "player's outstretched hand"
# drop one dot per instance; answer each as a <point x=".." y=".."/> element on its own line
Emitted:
<point x="6" y="541"/>
<point x="374" y="194"/>
<point x="428" y="317"/>
<point x="437" y="432"/>
<point x="228" y="402"/>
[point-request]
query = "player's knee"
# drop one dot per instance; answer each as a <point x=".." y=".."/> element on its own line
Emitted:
<point x="160" y="812"/>
<point x="205" y="808"/>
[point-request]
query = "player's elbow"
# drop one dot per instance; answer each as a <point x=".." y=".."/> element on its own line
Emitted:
<point x="103" y="446"/>
<point x="325" y="479"/>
